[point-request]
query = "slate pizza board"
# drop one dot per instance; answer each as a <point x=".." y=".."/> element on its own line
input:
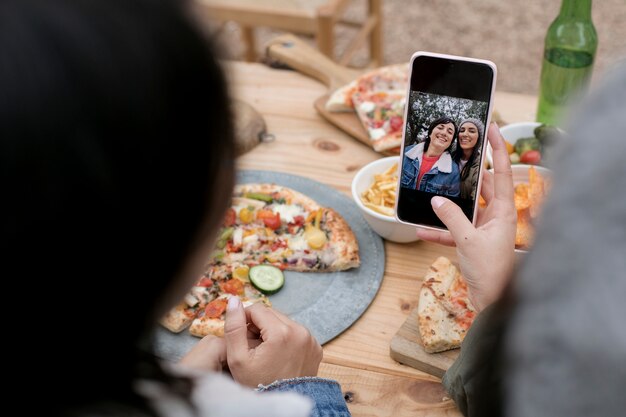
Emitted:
<point x="326" y="303"/>
<point x="407" y="348"/>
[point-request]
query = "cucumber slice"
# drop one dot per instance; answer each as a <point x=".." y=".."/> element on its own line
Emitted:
<point x="267" y="278"/>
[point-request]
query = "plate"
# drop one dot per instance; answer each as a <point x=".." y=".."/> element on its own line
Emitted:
<point x="326" y="303"/>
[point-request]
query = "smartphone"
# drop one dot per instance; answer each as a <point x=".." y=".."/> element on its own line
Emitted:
<point x="449" y="102"/>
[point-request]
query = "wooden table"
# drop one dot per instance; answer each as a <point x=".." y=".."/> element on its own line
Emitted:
<point x="306" y="145"/>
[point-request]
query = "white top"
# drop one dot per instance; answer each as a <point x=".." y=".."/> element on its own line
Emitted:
<point x="217" y="395"/>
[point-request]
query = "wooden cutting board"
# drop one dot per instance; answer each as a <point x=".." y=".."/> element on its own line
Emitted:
<point x="296" y="54"/>
<point x="407" y="348"/>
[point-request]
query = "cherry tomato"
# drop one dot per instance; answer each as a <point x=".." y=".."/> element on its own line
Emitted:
<point x="271" y="219"/>
<point x="231" y="247"/>
<point x="205" y="282"/>
<point x="395" y="123"/>
<point x="273" y="222"/>
<point x="215" y="308"/>
<point x="230" y="217"/>
<point x="232" y="286"/>
<point x="532" y="157"/>
<point x="278" y="244"/>
<point x="262" y="214"/>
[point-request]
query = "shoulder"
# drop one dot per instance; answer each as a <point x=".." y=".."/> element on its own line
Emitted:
<point x="414" y="151"/>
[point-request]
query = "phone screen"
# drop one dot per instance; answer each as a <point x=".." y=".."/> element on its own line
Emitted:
<point x="448" y="107"/>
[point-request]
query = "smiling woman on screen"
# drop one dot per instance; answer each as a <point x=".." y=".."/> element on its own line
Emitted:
<point x="428" y="166"/>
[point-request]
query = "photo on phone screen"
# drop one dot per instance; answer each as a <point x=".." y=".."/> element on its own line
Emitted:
<point x="446" y="120"/>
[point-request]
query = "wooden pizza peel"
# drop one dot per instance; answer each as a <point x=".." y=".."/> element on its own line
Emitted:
<point x="295" y="53"/>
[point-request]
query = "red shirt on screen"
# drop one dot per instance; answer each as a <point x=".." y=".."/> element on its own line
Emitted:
<point x="425" y="166"/>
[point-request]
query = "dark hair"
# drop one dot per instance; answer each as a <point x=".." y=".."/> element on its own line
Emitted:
<point x="458" y="151"/>
<point x="116" y="148"/>
<point x="442" y="120"/>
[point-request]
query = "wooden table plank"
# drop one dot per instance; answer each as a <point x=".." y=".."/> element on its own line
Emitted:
<point x="374" y="394"/>
<point x="307" y="145"/>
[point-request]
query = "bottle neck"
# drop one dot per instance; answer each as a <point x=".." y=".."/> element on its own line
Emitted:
<point x="580" y="9"/>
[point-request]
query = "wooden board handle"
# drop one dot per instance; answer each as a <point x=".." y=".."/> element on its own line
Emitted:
<point x="295" y="53"/>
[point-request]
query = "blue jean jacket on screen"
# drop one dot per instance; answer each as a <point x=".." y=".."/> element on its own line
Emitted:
<point x="443" y="178"/>
<point x="325" y="393"/>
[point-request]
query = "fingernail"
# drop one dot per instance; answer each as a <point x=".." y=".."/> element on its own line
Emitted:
<point x="233" y="303"/>
<point x="436" y="202"/>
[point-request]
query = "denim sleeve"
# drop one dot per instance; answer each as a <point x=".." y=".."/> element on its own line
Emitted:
<point x="325" y="393"/>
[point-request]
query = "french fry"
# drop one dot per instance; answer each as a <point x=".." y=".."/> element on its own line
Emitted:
<point x="524" y="232"/>
<point x="528" y="199"/>
<point x="537" y="191"/>
<point x="522" y="196"/>
<point x="387" y="211"/>
<point x="381" y="195"/>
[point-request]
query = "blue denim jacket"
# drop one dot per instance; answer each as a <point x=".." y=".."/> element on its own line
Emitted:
<point x="325" y="393"/>
<point x="443" y="178"/>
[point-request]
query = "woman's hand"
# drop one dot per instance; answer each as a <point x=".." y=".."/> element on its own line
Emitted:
<point x="264" y="345"/>
<point x="486" y="252"/>
<point x="209" y="354"/>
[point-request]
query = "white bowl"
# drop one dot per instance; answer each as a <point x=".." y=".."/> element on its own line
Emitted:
<point x="520" y="172"/>
<point x="512" y="133"/>
<point x="386" y="226"/>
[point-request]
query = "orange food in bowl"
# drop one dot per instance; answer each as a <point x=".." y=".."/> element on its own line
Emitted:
<point x="528" y="198"/>
<point x="509" y="147"/>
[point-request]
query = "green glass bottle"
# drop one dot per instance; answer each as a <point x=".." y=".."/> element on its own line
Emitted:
<point x="570" y="49"/>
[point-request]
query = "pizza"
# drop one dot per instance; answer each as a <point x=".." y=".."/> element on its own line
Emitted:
<point x="378" y="97"/>
<point x="393" y="78"/>
<point x="204" y="306"/>
<point x="382" y="115"/>
<point x="210" y="319"/>
<point x="266" y="224"/>
<point x="445" y="312"/>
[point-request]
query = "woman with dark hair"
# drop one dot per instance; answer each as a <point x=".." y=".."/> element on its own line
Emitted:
<point x="467" y="154"/>
<point x="117" y="156"/>
<point x="428" y="166"/>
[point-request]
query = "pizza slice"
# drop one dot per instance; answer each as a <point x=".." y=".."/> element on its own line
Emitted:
<point x="181" y="316"/>
<point x="382" y="115"/>
<point x="341" y="99"/>
<point x="445" y="312"/>
<point x="211" y="320"/>
<point x="267" y="224"/>
<point x="393" y="78"/>
<point x="289" y="230"/>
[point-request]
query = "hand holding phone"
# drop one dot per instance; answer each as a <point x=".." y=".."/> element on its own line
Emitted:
<point x="449" y="104"/>
<point x="485" y="252"/>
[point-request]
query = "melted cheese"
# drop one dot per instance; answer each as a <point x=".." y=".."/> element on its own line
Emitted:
<point x="288" y="211"/>
<point x="377" y="133"/>
<point x="250" y="242"/>
<point x="298" y="243"/>
<point x="367" y="106"/>
<point x="238" y="237"/>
